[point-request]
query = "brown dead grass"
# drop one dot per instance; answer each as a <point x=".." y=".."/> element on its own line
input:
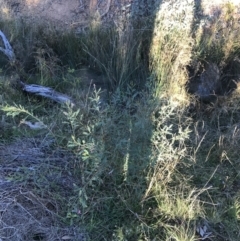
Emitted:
<point x="26" y="216"/>
<point x="30" y="208"/>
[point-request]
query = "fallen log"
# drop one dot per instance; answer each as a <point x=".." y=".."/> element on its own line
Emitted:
<point x="32" y="89"/>
<point x="46" y="92"/>
<point x="8" y="50"/>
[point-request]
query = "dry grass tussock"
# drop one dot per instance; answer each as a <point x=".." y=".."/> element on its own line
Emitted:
<point x="171" y="48"/>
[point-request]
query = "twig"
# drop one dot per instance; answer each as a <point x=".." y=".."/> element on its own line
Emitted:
<point x="107" y="8"/>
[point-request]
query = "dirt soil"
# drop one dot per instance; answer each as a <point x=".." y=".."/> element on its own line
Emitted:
<point x="26" y="213"/>
<point x="74" y="14"/>
<point x="77" y="13"/>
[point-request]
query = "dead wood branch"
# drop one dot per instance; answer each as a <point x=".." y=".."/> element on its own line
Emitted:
<point x="46" y="92"/>
<point x="8" y="50"/>
<point x="33" y="89"/>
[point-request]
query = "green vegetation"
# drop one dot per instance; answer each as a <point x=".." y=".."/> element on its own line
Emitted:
<point x="147" y="165"/>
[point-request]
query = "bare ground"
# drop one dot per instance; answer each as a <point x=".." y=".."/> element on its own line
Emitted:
<point x="74" y="14"/>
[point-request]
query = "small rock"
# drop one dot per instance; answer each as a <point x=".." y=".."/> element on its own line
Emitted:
<point x="206" y="84"/>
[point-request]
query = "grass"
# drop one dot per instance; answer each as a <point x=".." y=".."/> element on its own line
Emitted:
<point x="143" y="165"/>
